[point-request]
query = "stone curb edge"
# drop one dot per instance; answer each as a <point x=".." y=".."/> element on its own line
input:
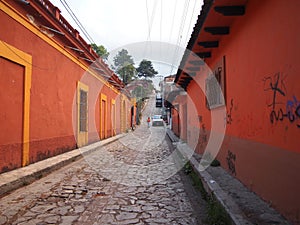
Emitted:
<point x="211" y="186"/>
<point x="17" y="178"/>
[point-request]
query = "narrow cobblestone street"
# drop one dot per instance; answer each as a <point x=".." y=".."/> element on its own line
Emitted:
<point x="133" y="180"/>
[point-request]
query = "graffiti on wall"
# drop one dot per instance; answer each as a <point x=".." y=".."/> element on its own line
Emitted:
<point x="282" y="108"/>
<point x="229" y="118"/>
<point x="293" y="110"/>
<point x="203" y="136"/>
<point x="231" y="158"/>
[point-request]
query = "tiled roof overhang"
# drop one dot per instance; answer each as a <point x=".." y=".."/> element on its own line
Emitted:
<point x="46" y="16"/>
<point x="213" y="23"/>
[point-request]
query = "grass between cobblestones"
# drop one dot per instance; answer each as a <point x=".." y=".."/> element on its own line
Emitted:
<point x="216" y="214"/>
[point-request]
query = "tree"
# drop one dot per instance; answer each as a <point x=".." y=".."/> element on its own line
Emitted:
<point x="124" y="65"/>
<point x="127" y="73"/>
<point x="101" y="51"/>
<point x="146" y="69"/>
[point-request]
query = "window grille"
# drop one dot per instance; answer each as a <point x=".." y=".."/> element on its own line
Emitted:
<point x="83" y="111"/>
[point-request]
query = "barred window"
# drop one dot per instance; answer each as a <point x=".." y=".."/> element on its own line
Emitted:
<point x="215" y="87"/>
<point x="83" y="111"/>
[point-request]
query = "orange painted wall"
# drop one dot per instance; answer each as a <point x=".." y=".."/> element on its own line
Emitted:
<point x="175" y="122"/>
<point x="253" y="58"/>
<point x="52" y="97"/>
<point x="110" y="96"/>
<point x="263" y="46"/>
<point x="118" y="114"/>
<point x="180" y="117"/>
<point x="11" y="137"/>
<point x="53" y="86"/>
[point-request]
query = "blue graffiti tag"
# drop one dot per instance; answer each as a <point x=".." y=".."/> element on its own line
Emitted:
<point x="293" y="110"/>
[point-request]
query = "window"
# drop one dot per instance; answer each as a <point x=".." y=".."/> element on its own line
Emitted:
<point x="83" y="111"/>
<point x="215" y="86"/>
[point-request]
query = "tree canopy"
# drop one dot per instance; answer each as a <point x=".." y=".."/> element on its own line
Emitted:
<point x="100" y="50"/>
<point x="146" y="69"/>
<point x="124" y="65"/>
<point x="123" y="58"/>
<point x="127" y="73"/>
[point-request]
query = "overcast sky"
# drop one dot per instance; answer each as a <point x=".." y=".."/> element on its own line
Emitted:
<point x="115" y="24"/>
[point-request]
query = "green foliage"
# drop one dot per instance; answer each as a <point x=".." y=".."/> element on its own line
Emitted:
<point x="123" y="59"/>
<point x="187" y="168"/>
<point x="146" y="69"/>
<point x="124" y="65"/>
<point x="100" y="50"/>
<point x="216" y="214"/>
<point x="215" y="163"/>
<point x="198" y="183"/>
<point x="127" y="73"/>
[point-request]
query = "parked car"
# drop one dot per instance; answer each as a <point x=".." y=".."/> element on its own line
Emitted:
<point x="157" y="120"/>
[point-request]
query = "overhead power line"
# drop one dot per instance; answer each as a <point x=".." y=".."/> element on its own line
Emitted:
<point x="191" y="19"/>
<point x="150" y="21"/>
<point x="179" y="36"/>
<point x="76" y="20"/>
<point x="173" y="19"/>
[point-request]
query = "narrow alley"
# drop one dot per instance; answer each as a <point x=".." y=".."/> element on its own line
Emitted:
<point x="149" y="112"/>
<point x="81" y="193"/>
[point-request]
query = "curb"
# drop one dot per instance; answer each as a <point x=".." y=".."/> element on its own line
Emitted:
<point x="212" y="187"/>
<point x="265" y="215"/>
<point x="17" y="178"/>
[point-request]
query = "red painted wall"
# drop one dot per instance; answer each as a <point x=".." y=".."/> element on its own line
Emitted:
<point x="53" y="86"/>
<point x="11" y="136"/>
<point x="261" y="150"/>
<point x="175" y="122"/>
<point x="52" y="95"/>
<point x="253" y="61"/>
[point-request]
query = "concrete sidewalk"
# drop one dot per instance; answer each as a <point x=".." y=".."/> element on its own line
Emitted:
<point x="20" y="177"/>
<point x="243" y="206"/>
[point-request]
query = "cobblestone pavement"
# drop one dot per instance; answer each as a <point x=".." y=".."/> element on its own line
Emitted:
<point x="130" y="181"/>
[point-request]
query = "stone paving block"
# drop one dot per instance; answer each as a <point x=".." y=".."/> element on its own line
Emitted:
<point x="96" y="190"/>
<point x="68" y="220"/>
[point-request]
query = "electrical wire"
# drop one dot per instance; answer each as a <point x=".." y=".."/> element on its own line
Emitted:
<point x="76" y="20"/>
<point x="173" y="19"/>
<point x="179" y="37"/>
<point x="160" y="32"/>
<point x="195" y="1"/>
<point x="152" y="18"/>
<point x="148" y="20"/>
<point x="161" y="19"/>
<point x="184" y="14"/>
<point x="150" y="23"/>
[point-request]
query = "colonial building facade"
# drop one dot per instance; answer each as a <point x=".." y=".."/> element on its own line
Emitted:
<point x="252" y="50"/>
<point x="56" y="93"/>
